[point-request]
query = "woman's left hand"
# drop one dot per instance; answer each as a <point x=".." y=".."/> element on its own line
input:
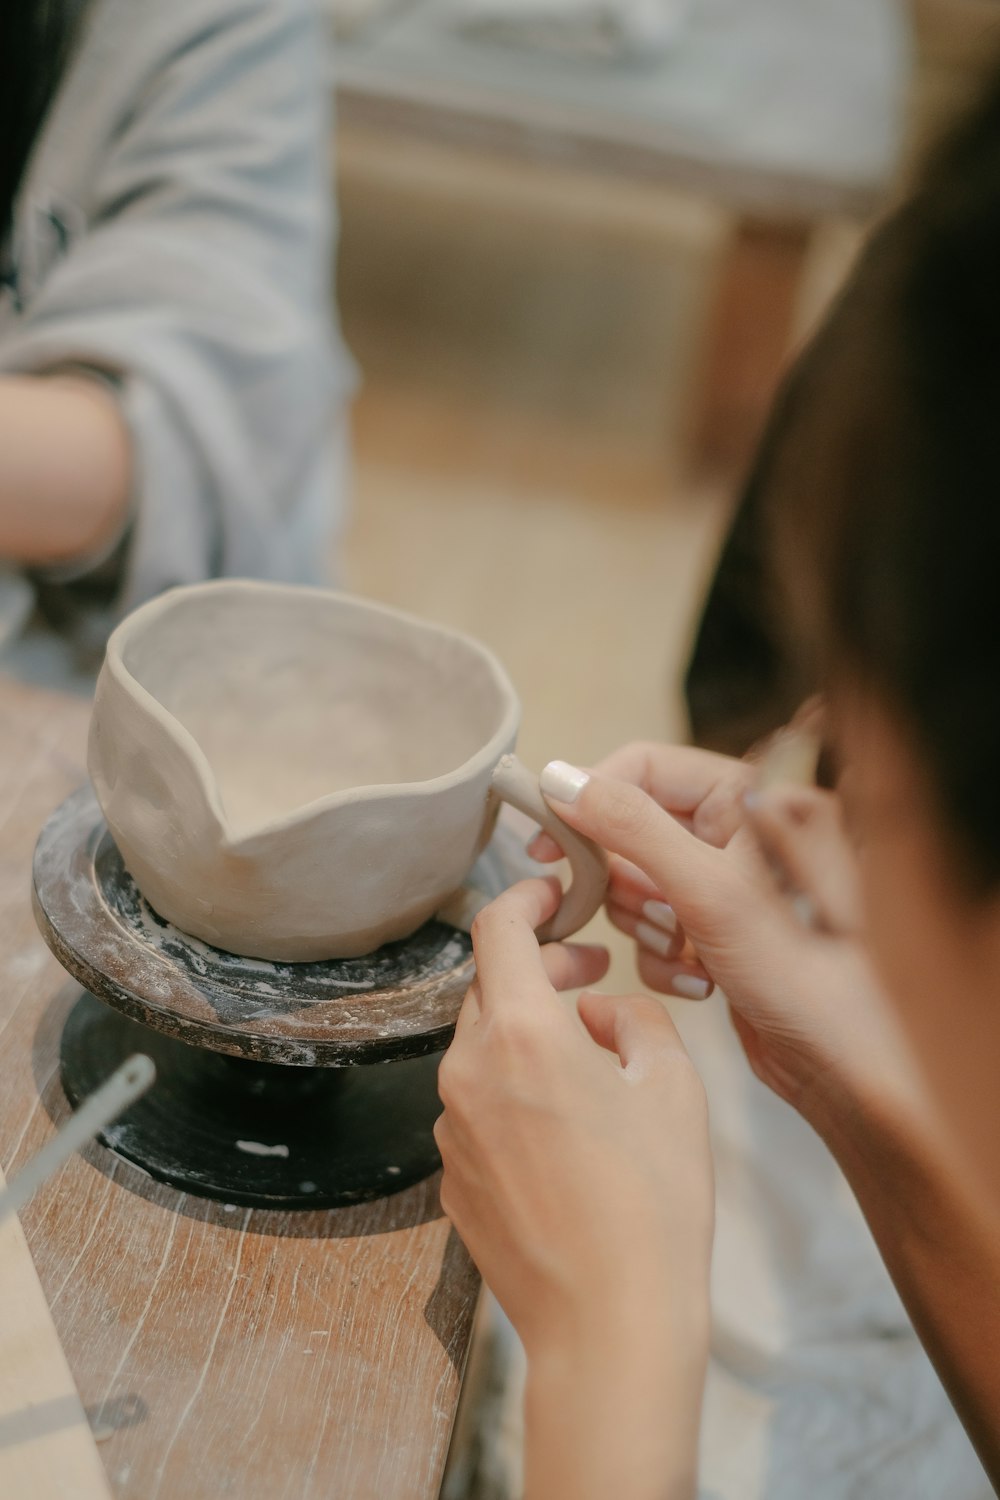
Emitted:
<point x="577" y="1170"/>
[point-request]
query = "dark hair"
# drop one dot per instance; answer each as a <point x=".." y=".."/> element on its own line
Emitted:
<point x="881" y="472"/>
<point x="36" y="38"/>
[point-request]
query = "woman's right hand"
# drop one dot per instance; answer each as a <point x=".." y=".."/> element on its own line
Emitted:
<point x="692" y="882"/>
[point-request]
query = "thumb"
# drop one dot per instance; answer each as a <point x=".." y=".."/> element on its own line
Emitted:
<point x="636" y="1027"/>
<point x="693" y="876"/>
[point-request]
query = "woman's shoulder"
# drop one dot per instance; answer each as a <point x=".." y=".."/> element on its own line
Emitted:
<point x="134" y="58"/>
<point x="182" y="93"/>
<point x="125" y="46"/>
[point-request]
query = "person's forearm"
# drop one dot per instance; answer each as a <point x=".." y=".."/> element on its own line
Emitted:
<point x="941" y="1244"/>
<point x="65" y="469"/>
<point x="618" y="1414"/>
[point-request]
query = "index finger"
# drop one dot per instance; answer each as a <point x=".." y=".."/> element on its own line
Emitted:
<point x="677" y="777"/>
<point x="509" y="963"/>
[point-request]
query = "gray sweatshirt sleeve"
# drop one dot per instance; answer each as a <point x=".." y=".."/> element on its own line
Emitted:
<point x="186" y="164"/>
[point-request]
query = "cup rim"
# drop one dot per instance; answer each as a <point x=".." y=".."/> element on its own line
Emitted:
<point x="147" y="614"/>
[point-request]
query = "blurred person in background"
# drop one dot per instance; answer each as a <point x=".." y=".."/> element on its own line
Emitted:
<point x="855" y="931"/>
<point x="172" y="389"/>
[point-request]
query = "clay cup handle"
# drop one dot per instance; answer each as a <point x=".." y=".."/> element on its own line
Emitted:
<point x="588" y="862"/>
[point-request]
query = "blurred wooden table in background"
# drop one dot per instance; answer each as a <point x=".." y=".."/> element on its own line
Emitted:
<point x="784" y="116"/>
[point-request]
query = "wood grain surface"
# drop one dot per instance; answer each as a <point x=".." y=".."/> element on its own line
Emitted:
<point x="47" y="1448"/>
<point x="217" y="1351"/>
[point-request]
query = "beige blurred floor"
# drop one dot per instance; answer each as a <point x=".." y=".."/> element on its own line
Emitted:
<point x="527" y="349"/>
<point x="530" y="344"/>
<point x="532" y="341"/>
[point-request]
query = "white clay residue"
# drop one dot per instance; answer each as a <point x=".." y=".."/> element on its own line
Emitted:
<point x="257" y="1148"/>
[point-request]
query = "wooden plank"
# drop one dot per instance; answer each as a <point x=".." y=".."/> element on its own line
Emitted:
<point x="776" y="111"/>
<point x="959" y="34"/>
<point x="750" y="341"/>
<point x="47" y="1449"/>
<point x="220" y="1350"/>
<point x="411" y="110"/>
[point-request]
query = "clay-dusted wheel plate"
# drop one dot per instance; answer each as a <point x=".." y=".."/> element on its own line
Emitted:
<point x="401" y="1001"/>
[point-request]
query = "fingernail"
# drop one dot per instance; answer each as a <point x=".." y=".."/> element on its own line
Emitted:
<point x="661" y="915"/>
<point x="561" y="782"/>
<point x="655" y="939"/>
<point x="689" y="987"/>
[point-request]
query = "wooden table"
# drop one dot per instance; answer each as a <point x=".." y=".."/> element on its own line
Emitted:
<point x="218" y="1350"/>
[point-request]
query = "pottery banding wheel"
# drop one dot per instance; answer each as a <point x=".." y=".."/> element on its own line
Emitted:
<point x="278" y="1084"/>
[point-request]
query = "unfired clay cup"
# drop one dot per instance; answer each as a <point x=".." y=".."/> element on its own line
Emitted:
<point x="294" y="774"/>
